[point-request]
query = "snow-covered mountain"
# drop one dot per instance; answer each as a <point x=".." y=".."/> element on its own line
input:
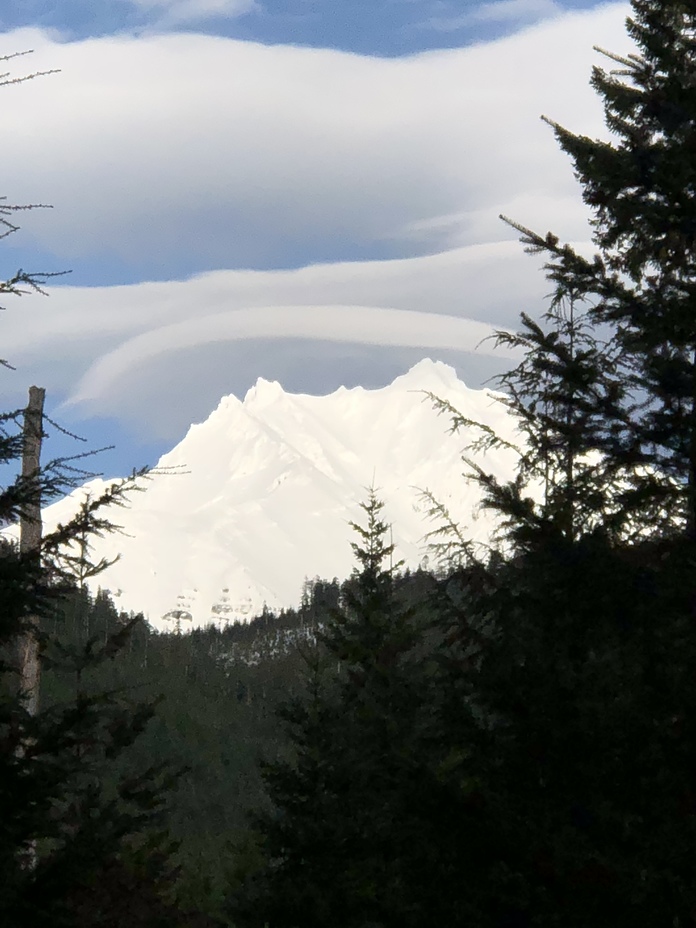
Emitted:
<point x="266" y="488"/>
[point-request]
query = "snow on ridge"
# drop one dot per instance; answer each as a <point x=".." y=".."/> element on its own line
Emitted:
<point x="268" y="486"/>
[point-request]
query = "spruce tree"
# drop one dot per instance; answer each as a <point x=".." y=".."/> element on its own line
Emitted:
<point x="641" y="283"/>
<point x="568" y="689"/>
<point x="572" y="410"/>
<point x="340" y="844"/>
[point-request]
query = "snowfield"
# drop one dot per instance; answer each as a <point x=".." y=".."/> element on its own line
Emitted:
<point x="259" y="496"/>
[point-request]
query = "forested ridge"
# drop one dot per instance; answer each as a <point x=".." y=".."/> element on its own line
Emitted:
<point x="508" y="743"/>
<point x="218" y="692"/>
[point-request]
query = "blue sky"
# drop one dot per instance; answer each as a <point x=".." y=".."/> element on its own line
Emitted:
<point x="303" y="190"/>
<point x="387" y="28"/>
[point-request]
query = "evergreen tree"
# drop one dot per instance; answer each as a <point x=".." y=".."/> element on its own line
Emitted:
<point x="63" y="833"/>
<point x="570" y="402"/>
<point x="568" y="690"/>
<point x="340" y="843"/>
<point x="642" y="281"/>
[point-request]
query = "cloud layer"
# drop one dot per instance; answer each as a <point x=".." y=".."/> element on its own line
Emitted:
<point x="183" y="153"/>
<point x="203" y="168"/>
<point x="177" y="12"/>
<point x="517" y="12"/>
<point x="147" y="334"/>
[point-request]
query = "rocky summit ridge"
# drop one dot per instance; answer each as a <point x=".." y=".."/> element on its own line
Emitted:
<point x="259" y="497"/>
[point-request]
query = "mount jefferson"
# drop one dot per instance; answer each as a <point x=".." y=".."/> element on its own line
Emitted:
<point x="259" y="497"/>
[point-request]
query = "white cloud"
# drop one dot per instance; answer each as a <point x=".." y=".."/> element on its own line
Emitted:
<point x="484" y="280"/>
<point x="177" y="12"/>
<point x="502" y="11"/>
<point x="511" y="12"/>
<point x="116" y="343"/>
<point x="206" y="151"/>
<point x="358" y="324"/>
<point x="176" y="151"/>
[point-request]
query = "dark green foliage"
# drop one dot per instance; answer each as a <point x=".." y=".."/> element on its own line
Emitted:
<point x="566" y="716"/>
<point x="569" y="401"/>
<point x="642" y="282"/>
<point x="568" y="678"/>
<point x="69" y="825"/>
<point x="341" y="844"/>
<point x="57" y="804"/>
<point x="68" y="834"/>
<point x="218" y="694"/>
<point x="217" y="717"/>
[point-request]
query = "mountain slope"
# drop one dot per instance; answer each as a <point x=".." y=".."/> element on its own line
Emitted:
<point x="268" y="486"/>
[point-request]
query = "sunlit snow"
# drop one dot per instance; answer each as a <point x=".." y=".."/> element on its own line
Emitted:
<point x="266" y="488"/>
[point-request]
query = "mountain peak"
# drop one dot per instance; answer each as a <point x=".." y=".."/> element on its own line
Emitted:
<point x="265" y="391"/>
<point x="268" y="486"/>
<point x="428" y="371"/>
<point x="425" y="374"/>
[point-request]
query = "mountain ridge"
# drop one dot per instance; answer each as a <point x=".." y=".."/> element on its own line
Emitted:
<point x="259" y="496"/>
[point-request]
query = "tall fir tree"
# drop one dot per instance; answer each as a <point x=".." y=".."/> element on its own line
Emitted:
<point x="641" y="187"/>
<point x="341" y="844"/>
<point x="568" y="696"/>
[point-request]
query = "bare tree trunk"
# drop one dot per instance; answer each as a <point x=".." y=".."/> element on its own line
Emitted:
<point x="30" y="544"/>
